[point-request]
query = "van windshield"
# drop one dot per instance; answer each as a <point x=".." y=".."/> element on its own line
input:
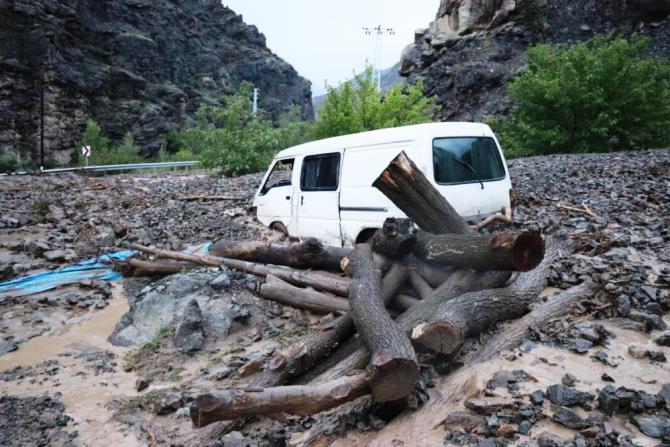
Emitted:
<point x="466" y="160"/>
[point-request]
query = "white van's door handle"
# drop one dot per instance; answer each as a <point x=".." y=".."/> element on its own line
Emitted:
<point x="302" y="200"/>
<point x="288" y="197"/>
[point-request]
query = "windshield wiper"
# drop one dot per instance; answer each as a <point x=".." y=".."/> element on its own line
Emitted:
<point x="474" y="171"/>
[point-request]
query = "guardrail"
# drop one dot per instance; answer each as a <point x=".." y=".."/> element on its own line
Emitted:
<point x="107" y="168"/>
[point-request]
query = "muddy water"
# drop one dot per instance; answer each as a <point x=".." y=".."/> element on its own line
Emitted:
<point x="547" y="365"/>
<point x="84" y="394"/>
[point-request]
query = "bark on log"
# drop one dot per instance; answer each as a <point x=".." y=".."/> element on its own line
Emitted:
<point x="409" y="189"/>
<point x="299" y="400"/>
<point x="556" y="307"/>
<point x="502" y="251"/>
<point x="420" y="285"/>
<point x="139" y="267"/>
<point x="451" y="322"/>
<point x="319" y="281"/>
<point x="395" y="239"/>
<point x="307" y="254"/>
<point x="306" y="352"/>
<point x="302" y="298"/>
<point x="394" y="369"/>
<point x="459" y="283"/>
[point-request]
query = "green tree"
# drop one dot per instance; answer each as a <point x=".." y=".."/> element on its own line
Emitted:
<point x="597" y="96"/>
<point x="357" y="106"/>
<point x="235" y="141"/>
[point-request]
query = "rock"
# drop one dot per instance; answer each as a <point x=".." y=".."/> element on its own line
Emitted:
<point x="55" y="255"/>
<point x="568" y="379"/>
<point x="567" y="396"/>
<point x="168" y="404"/>
<point x="376" y="423"/>
<point x="656" y="356"/>
<point x="602" y="357"/>
<point x="489" y="405"/>
<point x="663" y="339"/>
<point x="653" y="426"/>
<point x="637" y="352"/>
<point x="142" y="383"/>
<point x="606" y="378"/>
<point x="623" y="305"/>
<point x="225" y="373"/>
<point x="221" y="282"/>
<point x="537" y="397"/>
<point x="581" y="345"/>
<point x="569" y="418"/>
<point x="463" y="419"/>
<point x="651" y="321"/>
<point x="190" y="333"/>
<point x="141" y="63"/>
<point x="249" y="368"/>
<point x="608" y="402"/>
<point x="547" y="439"/>
<point x="525" y="426"/>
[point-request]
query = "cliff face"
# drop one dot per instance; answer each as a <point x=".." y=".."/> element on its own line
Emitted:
<point x="132" y="65"/>
<point x="475" y="47"/>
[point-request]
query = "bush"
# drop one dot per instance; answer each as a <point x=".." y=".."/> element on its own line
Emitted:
<point x="101" y="151"/>
<point x="357" y="106"/>
<point x="235" y="141"/>
<point x="8" y="164"/>
<point x="598" y="96"/>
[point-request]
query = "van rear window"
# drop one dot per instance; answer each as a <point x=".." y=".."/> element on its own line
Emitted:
<point x="466" y="160"/>
<point x="320" y="172"/>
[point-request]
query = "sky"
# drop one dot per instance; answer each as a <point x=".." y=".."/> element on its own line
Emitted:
<point x="325" y="41"/>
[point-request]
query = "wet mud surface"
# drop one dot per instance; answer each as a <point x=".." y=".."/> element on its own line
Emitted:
<point x="596" y="377"/>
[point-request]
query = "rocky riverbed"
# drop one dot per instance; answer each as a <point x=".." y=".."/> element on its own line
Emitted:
<point x="123" y="360"/>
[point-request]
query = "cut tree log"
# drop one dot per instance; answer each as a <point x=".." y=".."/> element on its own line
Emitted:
<point x="395" y="239"/>
<point x="555" y="308"/>
<point x="139" y="267"/>
<point x="505" y="216"/>
<point x="307" y="254"/>
<point x="311" y="348"/>
<point x="459" y="283"/>
<point x="393" y="365"/>
<point x="420" y="285"/>
<point x="501" y="251"/>
<point x="278" y="290"/>
<point x="467" y="315"/>
<point x="409" y="189"/>
<point x="319" y="281"/>
<point x="298" y="400"/>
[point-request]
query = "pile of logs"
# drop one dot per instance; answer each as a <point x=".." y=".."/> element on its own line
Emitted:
<point x="404" y="290"/>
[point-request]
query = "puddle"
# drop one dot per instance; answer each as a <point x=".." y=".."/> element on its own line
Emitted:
<point x="84" y="393"/>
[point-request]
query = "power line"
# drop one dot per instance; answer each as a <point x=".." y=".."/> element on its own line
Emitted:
<point x="378" y="32"/>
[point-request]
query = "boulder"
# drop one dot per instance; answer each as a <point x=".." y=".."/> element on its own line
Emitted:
<point x="190" y="333"/>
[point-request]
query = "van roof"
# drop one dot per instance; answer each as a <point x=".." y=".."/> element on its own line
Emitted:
<point x="395" y="134"/>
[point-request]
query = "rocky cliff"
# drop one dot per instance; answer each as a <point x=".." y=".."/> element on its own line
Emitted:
<point x="132" y="65"/>
<point x="474" y="47"/>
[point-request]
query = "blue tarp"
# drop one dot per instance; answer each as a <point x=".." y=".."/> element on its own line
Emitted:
<point x="97" y="268"/>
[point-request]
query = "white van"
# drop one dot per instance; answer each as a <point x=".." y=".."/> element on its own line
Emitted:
<point x="323" y="189"/>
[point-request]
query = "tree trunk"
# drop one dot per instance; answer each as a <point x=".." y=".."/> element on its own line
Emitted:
<point x="299" y="400"/>
<point x="467" y="315"/>
<point x="394" y="370"/>
<point x="502" y="251"/>
<point x="319" y="281"/>
<point x="139" y="267"/>
<point x="302" y="298"/>
<point x="410" y="190"/>
<point x="420" y="285"/>
<point x="307" y="254"/>
<point x="555" y="308"/>
<point x="306" y="352"/>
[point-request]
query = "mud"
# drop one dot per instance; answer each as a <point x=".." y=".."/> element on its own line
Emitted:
<point x="62" y="364"/>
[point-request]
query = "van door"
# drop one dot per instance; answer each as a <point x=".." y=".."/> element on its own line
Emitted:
<point x="319" y="203"/>
<point x="276" y="197"/>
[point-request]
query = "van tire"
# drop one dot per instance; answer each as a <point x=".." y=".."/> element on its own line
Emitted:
<point x="279" y="228"/>
<point x="365" y="235"/>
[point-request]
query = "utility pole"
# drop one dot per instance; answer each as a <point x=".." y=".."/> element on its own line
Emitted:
<point x="42" y="121"/>
<point x="255" y="109"/>
<point x="378" y="32"/>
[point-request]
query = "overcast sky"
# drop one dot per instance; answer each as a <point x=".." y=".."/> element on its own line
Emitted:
<point x="324" y="40"/>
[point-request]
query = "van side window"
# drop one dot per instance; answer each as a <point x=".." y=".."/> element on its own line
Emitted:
<point x="280" y="175"/>
<point x="320" y="172"/>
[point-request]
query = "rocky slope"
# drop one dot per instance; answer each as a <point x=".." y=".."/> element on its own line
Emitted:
<point x="475" y="47"/>
<point x="132" y="65"/>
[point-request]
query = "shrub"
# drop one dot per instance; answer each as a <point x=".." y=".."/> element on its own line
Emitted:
<point x="357" y="106"/>
<point x="8" y="163"/>
<point x="101" y="151"/>
<point x="596" y="96"/>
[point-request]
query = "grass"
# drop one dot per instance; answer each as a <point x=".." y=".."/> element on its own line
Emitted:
<point x="145" y="354"/>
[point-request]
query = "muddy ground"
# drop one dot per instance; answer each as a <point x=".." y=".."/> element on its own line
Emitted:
<point x="98" y="364"/>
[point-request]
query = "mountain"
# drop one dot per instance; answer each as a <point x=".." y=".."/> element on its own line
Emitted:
<point x="142" y="66"/>
<point x="390" y="78"/>
<point x="474" y="48"/>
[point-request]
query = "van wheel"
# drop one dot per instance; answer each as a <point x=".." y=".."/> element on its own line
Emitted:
<point x="365" y="235"/>
<point x="279" y="228"/>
